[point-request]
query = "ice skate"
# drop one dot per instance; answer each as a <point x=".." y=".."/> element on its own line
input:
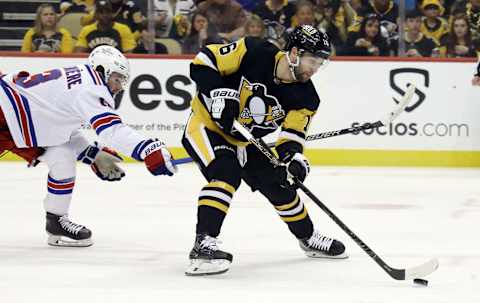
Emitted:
<point x="63" y="232"/>
<point x="320" y="246"/>
<point x="206" y="258"/>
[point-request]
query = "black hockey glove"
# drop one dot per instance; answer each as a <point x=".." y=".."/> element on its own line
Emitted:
<point x="297" y="166"/>
<point x="225" y="107"/>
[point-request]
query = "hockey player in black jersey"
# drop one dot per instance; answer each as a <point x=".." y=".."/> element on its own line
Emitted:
<point x="264" y="88"/>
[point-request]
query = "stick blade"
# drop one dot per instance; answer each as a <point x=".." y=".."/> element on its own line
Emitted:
<point x="421" y="270"/>
<point x="401" y="105"/>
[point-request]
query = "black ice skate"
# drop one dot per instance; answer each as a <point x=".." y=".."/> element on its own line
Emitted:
<point x="63" y="232"/>
<point x="206" y="258"/>
<point x="320" y="246"/>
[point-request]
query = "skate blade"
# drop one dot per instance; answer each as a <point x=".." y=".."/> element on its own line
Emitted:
<point x="314" y="254"/>
<point x="62" y="241"/>
<point x="201" y="267"/>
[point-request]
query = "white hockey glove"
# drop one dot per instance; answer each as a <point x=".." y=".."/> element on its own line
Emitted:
<point x="158" y="159"/>
<point x="225" y="107"/>
<point x="298" y="167"/>
<point x="103" y="162"/>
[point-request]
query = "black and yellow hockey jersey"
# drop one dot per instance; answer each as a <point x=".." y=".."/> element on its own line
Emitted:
<point x="118" y="36"/>
<point x="248" y="66"/>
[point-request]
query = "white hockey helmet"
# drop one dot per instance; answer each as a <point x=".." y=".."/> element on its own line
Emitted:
<point x="106" y="59"/>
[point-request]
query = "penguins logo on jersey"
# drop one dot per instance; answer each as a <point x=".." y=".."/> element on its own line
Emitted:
<point x="258" y="109"/>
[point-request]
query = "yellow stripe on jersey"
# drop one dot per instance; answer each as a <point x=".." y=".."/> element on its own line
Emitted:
<point x="214" y="204"/>
<point x="198" y="138"/>
<point x="288" y="205"/>
<point x="228" y="57"/>
<point x="298" y="120"/>
<point x="222" y="185"/>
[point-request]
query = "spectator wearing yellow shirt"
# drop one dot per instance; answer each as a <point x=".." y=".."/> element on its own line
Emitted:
<point x="123" y="11"/>
<point x="105" y="32"/>
<point x="433" y="26"/>
<point x="46" y="36"/>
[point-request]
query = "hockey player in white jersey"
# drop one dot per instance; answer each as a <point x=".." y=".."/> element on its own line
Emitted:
<point x="40" y="117"/>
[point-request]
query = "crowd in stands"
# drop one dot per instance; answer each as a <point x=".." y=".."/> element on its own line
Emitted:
<point x="432" y="28"/>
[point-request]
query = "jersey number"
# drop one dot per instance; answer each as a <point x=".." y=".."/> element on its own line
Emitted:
<point x="36" y="79"/>
<point x="228" y="48"/>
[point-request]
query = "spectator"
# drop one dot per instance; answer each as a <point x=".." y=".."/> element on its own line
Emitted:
<point x="275" y="33"/>
<point x="473" y="14"/>
<point x="368" y="41"/>
<point x="458" y="42"/>
<point x="200" y="35"/>
<point x="105" y="32"/>
<point x="416" y="43"/>
<point x="279" y="11"/>
<point x="254" y="27"/>
<point x="304" y="14"/>
<point x="226" y="15"/>
<point x="433" y="26"/>
<point x="123" y="11"/>
<point x="335" y="17"/>
<point x="171" y="17"/>
<point x="387" y="10"/>
<point x="46" y="36"/>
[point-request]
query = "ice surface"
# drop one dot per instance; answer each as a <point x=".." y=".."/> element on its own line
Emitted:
<point x="144" y="228"/>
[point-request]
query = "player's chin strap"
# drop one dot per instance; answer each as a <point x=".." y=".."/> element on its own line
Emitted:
<point x="291" y="65"/>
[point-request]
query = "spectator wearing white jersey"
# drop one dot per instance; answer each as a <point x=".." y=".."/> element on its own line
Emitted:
<point x="40" y="118"/>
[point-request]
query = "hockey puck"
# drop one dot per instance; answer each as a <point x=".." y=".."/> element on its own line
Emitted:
<point x="420" y="282"/>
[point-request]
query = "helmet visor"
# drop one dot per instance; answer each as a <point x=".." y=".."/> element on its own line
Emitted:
<point x="314" y="63"/>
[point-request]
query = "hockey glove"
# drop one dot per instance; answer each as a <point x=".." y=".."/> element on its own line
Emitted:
<point x="158" y="159"/>
<point x="298" y="167"/>
<point x="225" y="107"/>
<point x="103" y="161"/>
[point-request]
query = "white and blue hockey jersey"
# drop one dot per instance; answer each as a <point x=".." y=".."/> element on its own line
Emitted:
<point x="46" y="109"/>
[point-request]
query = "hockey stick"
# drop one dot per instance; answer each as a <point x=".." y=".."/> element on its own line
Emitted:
<point x="182" y="161"/>
<point x="398" y="274"/>
<point x="397" y="110"/>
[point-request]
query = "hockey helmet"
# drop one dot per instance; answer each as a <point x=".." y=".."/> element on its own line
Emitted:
<point x="308" y="38"/>
<point x="106" y="60"/>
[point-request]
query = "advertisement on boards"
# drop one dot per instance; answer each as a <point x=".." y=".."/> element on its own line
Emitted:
<point x="443" y="115"/>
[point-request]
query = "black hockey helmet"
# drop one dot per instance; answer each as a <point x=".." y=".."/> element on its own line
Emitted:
<point x="308" y="38"/>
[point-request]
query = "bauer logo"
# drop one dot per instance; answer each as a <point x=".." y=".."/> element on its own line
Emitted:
<point x="401" y="77"/>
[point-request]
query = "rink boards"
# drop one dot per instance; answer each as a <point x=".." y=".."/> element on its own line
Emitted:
<point x="441" y="126"/>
